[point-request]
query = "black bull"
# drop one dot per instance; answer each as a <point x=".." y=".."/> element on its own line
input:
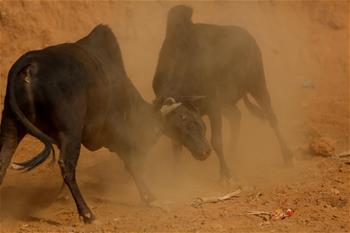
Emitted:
<point x="72" y="94"/>
<point x="79" y="93"/>
<point x="221" y="63"/>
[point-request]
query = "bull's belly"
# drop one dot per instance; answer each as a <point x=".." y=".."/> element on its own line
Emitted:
<point x="91" y="139"/>
<point x="93" y="132"/>
<point x="225" y="92"/>
<point x="113" y="134"/>
<point x="227" y="98"/>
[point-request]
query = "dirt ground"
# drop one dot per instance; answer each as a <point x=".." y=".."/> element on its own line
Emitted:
<point x="305" y="47"/>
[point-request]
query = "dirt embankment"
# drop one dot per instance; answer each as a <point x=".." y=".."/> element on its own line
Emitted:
<point x="305" y="47"/>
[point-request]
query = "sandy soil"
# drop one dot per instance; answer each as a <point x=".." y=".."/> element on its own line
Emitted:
<point x="305" y="51"/>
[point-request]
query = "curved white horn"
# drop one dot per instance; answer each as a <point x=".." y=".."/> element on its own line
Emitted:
<point x="168" y="108"/>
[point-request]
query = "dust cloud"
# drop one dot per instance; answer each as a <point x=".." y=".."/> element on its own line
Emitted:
<point x="300" y="41"/>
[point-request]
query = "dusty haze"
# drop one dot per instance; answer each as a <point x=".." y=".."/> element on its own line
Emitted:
<point x="303" y="44"/>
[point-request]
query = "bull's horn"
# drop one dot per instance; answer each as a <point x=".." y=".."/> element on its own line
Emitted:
<point x="166" y="109"/>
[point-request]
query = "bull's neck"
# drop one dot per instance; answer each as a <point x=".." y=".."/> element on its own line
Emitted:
<point x="143" y="119"/>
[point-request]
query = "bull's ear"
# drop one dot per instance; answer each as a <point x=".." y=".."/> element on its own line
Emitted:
<point x="193" y="98"/>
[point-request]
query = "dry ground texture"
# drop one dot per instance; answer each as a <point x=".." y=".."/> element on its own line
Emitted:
<point x="305" y="47"/>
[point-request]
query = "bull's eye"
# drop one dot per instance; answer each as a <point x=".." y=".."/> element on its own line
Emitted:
<point x="183" y="117"/>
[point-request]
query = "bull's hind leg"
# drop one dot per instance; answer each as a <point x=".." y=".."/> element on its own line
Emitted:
<point x="233" y="115"/>
<point x="262" y="97"/>
<point x="11" y="134"/>
<point x="70" y="150"/>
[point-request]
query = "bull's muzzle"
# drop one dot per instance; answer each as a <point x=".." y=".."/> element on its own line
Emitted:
<point x="203" y="155"/>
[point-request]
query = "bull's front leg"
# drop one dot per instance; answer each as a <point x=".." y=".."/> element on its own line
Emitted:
<point x="217" y="143"/>
<point x="177" y="149"/>
<point x="134" y="167"/>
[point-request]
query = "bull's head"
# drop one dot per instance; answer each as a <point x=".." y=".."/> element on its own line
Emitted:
<point x="183" y="123"/>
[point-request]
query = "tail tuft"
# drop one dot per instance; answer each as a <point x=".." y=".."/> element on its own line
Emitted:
<point x="36" y="161"/>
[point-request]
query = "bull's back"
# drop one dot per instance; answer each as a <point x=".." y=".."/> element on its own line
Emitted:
<point x="230" y="58"/>
<point x="102" y="45"/>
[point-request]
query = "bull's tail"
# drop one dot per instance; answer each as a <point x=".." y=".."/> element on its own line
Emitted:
<point x="254" y="109"/>
<point x="37" y="160"/>
<point x="25" y="63"/>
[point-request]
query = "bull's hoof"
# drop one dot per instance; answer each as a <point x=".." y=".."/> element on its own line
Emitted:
<point x="162" y="205"/>
<point x="148" y="198"/>
<point x="229" y="183"/>
<point x="88" y="218"/>
<point x="229" y="180"/>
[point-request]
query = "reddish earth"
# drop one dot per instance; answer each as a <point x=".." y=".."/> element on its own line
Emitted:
<point x="305" y="46"/>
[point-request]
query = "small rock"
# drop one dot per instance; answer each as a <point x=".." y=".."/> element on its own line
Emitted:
<point x="308" y="84"/>
<point x="3" y="15"/>
<point x="322" y="146"/>
<point x="335" y="191"/>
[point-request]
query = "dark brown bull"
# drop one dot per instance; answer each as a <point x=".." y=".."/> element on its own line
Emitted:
<point x="223" y="64"/>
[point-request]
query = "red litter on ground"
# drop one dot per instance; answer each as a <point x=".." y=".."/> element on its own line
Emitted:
<point x="280" y="214"/>
<point x="289" y="212"/>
